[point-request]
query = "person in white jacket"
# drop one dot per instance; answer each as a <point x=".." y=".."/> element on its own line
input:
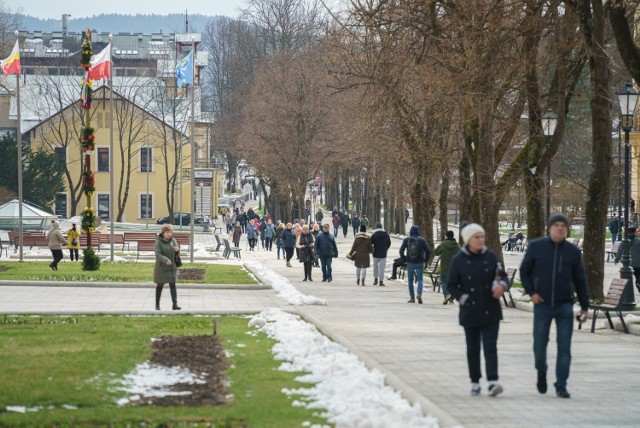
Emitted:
<point x="56" y="242"/>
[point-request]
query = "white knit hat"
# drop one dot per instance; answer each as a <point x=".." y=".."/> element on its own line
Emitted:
<point x="469" y="230"/>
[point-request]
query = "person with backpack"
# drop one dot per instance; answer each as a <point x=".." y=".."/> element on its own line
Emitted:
<point x="326" y="249"/>
<point x="381" y="242"/>
<point x="359" y="253"/>
<point x="417" y="253"/>
<point x="446" y="250"/>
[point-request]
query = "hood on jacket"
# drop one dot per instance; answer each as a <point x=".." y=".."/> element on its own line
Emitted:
<point x="414" y="231"/>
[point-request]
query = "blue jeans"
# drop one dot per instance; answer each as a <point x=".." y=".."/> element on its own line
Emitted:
<point x="613" y="237"/>
<point x="488" y="337"/>
<point x="543" y="314"/>
<point x="443" y="284"/>
<point x="325" y="261"/>
<point x="279" y="247"/>
<point x="414" y="269"/>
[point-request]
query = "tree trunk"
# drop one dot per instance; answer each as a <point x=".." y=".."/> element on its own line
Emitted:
<point x="443" y="214"/>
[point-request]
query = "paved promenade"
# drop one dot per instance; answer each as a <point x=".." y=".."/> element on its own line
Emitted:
<point x="420" y="348"/>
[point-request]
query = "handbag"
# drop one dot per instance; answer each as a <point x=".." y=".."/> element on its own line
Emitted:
<point x="351" y="256"/>
<point x="177" y="259"/>
<point x="74" y="242"/>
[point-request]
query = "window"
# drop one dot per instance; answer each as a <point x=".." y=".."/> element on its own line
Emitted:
<point x="146" y="206"/>
<point x="103" y="206"/>
<point x="103" y="159"/>
<point x="145" y="159"/>
<point x="61" y="205"/>
<point x="61" y="156"/>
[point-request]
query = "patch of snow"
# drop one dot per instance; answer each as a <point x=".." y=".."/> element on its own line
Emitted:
<point x="17" y="409"/>
<point x="631" y="318"/>
<point x="116" y="259"/>
<point x="350" y="394"/>
<point x="241" y="345"/>
<point x="285" y="289"/>
<point x="69" y="407"/>
<point x="150" y="380"/>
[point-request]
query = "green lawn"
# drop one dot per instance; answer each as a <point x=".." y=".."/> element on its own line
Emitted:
<point x="56" y="361"/>
<point x="118" y="272"/>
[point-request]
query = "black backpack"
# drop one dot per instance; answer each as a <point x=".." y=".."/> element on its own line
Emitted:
<point x="413" y="250"/>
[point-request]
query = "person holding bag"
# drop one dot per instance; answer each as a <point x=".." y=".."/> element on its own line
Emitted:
<point x="166" y="269"/>
<point x="359" y="253"/>
<point x="305" y="243"/>
<point x="73" y="242"/>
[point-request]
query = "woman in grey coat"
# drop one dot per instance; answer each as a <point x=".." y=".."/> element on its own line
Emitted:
<point x="165" y="270"/>
<point x="56" y="241"/>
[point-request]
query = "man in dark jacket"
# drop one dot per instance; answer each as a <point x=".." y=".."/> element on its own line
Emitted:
<point x="550" y="270"/>
<point x="417" y="253"/>
<point x="344" y="221"/>
<point x="355" y="224"/>
<point x="381" y="242"/>
<point x="614" y="228"/>
<point x="446" y="250"/>
<point x="326" y="249"/>
<point x="319" y="216"/>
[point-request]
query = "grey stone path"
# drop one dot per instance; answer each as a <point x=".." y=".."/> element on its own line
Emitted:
<point x="419" y="347"/>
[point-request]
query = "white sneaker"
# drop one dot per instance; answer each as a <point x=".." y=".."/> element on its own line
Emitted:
<point x="475" y="389"/>
<point x="495" y="388"/>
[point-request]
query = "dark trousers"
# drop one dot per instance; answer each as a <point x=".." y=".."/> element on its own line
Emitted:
<point x="252" y="243"/>
<point x="268" y="243"/>
<point x="344" y="230"/>
<point x="57" y="256"/>
<point x="396" y="264"/>
<point x="73" y="252"/>
<point x="307" y="269"/>
<point x="543" y="314"/>
<point x="289" y="251"/>
<point x="488" y="337"/>
<point x="325" y="261"/>
<point x="172" y="289"/>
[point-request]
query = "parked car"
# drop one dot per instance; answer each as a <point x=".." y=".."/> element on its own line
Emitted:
<point x="222" y="204"/>
<point x="186" y="219"/>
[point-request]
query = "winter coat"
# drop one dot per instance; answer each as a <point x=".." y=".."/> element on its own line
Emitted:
<point x="634" y="251"/>
<point x="381" y="242"/>
<point x="319" y="216"/>
<point x="263" y="226"/>
<point x="336" y="221"/>
<point x="355" y="222"/>
<point x="423" y="247"/>
<point x="252" y="232"/>
<point x="446" y="250"/>
<point x="472" y="274"/>
<point x="362" y="248"/>
<point x="554" y="271"/>
<point x="73" y="235"/>
<point x="251" y="215"/>
<point x="163" y="273"/>
<point x="288" y="238"/>
<point x="269" y="230"/>
<point x="325" y="245"/>
<point x="279" y="231"/>
<point x="614" y="226"/>
<point x="237" y="233"/>
<point x="365" y="221"/>
<point x="305" y="244"/>
<point x="55" y="237"/>
<point x="344" y="220"/>
<point x="242" y="218"/>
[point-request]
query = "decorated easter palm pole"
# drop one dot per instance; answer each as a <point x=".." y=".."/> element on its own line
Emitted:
<point x="87" y="143"/>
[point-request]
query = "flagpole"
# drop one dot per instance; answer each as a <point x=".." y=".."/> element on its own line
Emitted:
<point x="193" y="142"/>
<point x="111" y="166"/>
<point x="19" y="134"/>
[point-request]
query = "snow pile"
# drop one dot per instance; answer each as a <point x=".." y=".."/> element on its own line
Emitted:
<point x="631" y="318"/>
<point x="350" y="394"/>
<point x="284" y="288"/>
<point x="116" y="259"/>
<point x="149" y="380"/>
<point x="199" y="250"/>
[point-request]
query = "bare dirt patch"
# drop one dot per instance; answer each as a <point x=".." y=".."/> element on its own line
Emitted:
<point x="4" y="268"/>
<point x="201" y="355"/>
<point x="191" y="274"/>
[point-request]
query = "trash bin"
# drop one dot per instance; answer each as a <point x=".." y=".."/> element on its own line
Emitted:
<point x="205" y="227"/>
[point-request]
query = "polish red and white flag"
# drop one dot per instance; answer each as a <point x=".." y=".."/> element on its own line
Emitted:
<point x="101" y="65"/>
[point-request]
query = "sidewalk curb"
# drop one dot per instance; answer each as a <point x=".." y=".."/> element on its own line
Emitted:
<point x="149" y="312"/>
<point x="96" y="284"/>
<point x="428" y="407"/>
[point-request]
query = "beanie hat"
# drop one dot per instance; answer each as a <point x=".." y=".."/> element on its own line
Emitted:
<point x="378" y="225"/>
<point x="449" y="234"/>
<point x="469" y="230"/>
<point x="556" y="218"/>
<point x="363" y="228"/>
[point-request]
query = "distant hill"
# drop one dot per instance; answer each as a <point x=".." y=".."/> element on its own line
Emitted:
<point x="117" y="23"/>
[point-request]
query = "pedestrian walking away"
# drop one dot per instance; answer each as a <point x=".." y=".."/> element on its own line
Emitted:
<point x="634" y="252"/>
<point x="344" y="221"/>
<point x="73" y="242"/>
<point x="417" y="254"/>
<point x="288" y="242"/>
<point x="614" y="228"/>
<point x="335" y="220"/>
<point x="355" y="224"/>
<point x="304" y="243"/>
<point x="360" y="251"/>
<point x="551" y="270"/>
<point x="381" y="242"/>
<point x="326" y="249"/>
<point x="56" y="242"/>
<point x="478" y="281"/>
<point x="278" y="238"/>
<point x="165" y="269"/>
<point x="446" y="250"/>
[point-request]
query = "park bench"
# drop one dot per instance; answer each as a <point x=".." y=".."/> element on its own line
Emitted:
<point x="613" y="251"/>
<point x="218" y="242"/>
<point x="522" y="244"/>
<point x="433" y="273"/>
<point x="228" y="249"/>
<point x="14" y="237"/>
<point x="5" y="248"/>
<point x="612" y="302"/>
<point x="145" y="245"/>
<point x="216" y="228"/>
<point x="130" y="237"/>
<point x="511" y="275"/>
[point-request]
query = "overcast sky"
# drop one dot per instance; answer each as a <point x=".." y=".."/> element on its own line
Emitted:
<point x="81" y="9"/>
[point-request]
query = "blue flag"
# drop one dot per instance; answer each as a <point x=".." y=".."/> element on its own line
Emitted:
<point x="184" y="70"/>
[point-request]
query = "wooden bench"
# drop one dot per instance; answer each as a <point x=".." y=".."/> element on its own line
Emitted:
<point x="511" y="275"/>
<point x="432" y="271"/>
<point x="130" y="237"/>
<point x="613" y="251"/>
<point x="611" y="303"/>
<point x="145" y="245"/>
<point x="216" y="228"/>
<point x="228" y="249"/>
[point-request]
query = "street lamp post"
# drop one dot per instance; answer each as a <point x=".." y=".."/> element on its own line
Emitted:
<point x="549" y="122"/>
<point x="627" y="98"/>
